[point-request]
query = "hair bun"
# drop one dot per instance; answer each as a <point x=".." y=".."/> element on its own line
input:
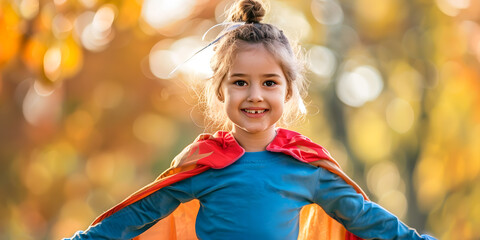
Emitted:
<point x="249" y="11"/>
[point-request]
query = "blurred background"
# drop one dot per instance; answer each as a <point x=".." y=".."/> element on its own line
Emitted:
<point x="89" y="114"/>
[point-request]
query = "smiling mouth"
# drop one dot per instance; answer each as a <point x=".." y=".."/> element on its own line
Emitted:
<point x="257" y="111"/>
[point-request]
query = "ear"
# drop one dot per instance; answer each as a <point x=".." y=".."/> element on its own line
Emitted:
<point x="289" y="94"/>
<point x="220" y="96"/>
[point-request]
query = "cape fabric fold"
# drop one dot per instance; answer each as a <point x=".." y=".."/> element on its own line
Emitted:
<point x="220" y="150"/>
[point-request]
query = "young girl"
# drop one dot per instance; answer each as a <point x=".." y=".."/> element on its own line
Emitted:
<point x="255" y="181"/>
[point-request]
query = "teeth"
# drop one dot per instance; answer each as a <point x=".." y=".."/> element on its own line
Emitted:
<point x="254" y="111"/>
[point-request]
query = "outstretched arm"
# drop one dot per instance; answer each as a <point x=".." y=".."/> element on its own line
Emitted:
<point x="136" y="218"/>
<point x="363" y="218"/>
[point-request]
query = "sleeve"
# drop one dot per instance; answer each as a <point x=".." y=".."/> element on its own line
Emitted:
<point x="363" y="218"/>
<point x="136" y="218"/>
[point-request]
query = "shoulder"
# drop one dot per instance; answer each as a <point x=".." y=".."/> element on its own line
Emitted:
<point x="298" y="146"/>
<point x="214" y="150"/>
<point x="303" y="149"/>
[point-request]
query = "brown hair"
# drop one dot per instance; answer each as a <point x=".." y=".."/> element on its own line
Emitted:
<point x="253" y="33"/>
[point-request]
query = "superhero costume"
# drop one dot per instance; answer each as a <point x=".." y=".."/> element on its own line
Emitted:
<point x="211" y="151"/>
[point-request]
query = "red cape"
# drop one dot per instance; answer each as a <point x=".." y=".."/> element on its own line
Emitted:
<point x="219" y="151"/>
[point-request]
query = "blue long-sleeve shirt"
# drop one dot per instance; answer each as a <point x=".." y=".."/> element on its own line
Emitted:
<point x="257" y="197"/>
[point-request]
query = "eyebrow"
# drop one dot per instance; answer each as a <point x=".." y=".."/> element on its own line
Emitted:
<point x="268" y="75"/>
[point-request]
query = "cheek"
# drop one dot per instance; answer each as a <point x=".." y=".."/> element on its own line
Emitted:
<point x="232" y="95"/>
<point x="230" y="103"/>
<point x="285" y="94"/>
<point x="281" y="106"/>
<point x="283" y="98"/>
<point x="278" y="100"/>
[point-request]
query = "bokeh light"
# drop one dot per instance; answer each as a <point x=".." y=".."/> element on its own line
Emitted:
<point x="41" y="107"/>
<point x="400" y="115"/>
<point x="51" y="63"/>
<point x="162" y="63"/>
<point x="61" y="26"/>
<point x="369" y="126"/>
<point x="359" y="86"/>
<point x="197" y="67"/>
<point x="29" y="8"/>
<point x="296" y="27"/>
<point x="452" y="7"/>
<point x="327" y="11"/>
<point x="160" y="13"/>
<point x="383" y="177"/>
<point x="322" y="61"/>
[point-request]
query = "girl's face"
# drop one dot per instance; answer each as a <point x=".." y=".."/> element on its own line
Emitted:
<point x="254" y="91"/>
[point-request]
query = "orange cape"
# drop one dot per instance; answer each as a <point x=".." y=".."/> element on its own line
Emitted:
<point x="219" y="151"/>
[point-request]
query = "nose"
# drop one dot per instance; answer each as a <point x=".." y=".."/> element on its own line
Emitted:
<point x="255" y="94"/>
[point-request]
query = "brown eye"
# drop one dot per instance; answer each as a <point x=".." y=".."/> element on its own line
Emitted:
<point x="269" y="83"/>
<point x="240" y="83"/>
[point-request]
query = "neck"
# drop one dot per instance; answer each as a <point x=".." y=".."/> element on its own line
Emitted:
<point x="254" y="142"/>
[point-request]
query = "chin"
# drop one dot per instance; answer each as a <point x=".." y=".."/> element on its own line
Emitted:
<point x="255" y="129"/>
